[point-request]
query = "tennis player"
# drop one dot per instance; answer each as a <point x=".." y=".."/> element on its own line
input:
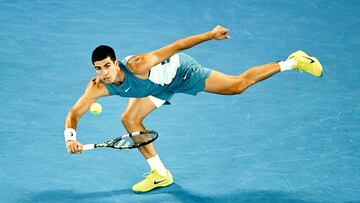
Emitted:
<point x="151" y="79"/>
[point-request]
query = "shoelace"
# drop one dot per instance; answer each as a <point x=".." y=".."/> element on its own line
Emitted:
<point x="145" y="175"/>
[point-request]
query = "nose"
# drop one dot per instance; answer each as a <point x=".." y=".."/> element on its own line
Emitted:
<point x="104" y="72"/>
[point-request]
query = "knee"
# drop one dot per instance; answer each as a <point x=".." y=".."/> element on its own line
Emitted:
<point x="130" y="118"/>
<point x="241" y="84"/>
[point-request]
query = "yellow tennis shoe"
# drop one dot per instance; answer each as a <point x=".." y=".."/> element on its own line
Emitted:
<point x="307" y="63"/>
<point x="152" y="181"/>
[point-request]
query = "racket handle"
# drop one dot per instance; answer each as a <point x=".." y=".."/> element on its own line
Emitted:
<point x="88" y="147"/>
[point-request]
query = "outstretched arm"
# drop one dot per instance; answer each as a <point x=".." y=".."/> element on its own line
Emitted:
<point x="93" y="91"/>
<point x="141" y="64"/>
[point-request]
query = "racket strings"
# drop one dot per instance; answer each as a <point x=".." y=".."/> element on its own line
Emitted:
<point x="135" y="140"/>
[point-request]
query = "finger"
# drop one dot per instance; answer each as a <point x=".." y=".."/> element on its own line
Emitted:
<point x="78" y="149"/>
<point x="72" y="148"/>
<point x="69" y="150"/>
<point x="75" y="149"/>
<point x="226" y="35"/>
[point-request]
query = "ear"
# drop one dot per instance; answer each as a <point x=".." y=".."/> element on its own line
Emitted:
<point x="116" y="62"/>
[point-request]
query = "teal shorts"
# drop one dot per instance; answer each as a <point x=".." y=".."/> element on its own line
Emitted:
<point x="189" y="79"/>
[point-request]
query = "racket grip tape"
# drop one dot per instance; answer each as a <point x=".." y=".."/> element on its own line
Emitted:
<point x="88" y="147"/>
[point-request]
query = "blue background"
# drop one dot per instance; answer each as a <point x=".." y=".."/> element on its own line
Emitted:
<point x="291" y="138"/>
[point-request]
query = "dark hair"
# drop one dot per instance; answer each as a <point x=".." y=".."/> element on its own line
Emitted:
<point x="102" y="52"/>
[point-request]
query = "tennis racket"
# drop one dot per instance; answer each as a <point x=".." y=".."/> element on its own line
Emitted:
<point x="128" y="141"/>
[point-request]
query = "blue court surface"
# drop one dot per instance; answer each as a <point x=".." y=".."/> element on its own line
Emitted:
<point x="291" y="138"/>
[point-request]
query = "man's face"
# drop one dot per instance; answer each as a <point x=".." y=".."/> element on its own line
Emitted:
<point x="106" y="70"/>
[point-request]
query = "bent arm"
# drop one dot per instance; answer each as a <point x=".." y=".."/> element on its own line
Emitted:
<point x="79" y="109"/>
<point x="141" y="64"/>
<point x="93" y="91"/>
<point x="167" y="51"/>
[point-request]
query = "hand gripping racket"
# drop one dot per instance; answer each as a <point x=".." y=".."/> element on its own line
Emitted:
<point x="128" y="141"/>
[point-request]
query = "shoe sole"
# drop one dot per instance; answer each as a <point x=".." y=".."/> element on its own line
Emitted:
<point x="154" y="188"/>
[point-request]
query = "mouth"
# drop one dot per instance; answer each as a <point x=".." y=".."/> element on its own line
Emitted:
<point x="106" y="79"/>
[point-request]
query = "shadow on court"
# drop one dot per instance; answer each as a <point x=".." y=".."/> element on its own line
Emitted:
<point x="182" y="195"/>
<point x="175" y="193"/>
<point x="68" y="196"/>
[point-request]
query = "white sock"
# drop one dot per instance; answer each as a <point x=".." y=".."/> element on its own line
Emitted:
<point x="287" y="64"/>
<point x="156" y="163"/>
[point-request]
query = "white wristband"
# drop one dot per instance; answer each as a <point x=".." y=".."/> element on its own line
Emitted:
<point x="70" y="134"/>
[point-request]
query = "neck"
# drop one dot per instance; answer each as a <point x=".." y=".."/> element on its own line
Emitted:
<point x="119" y="77"/>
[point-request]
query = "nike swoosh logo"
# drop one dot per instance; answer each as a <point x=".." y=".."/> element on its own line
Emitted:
<point x="157" y="182"/>
<point x="185" y="75"/>
<point x="127" y="89"/>
<point x="311" y="60"/>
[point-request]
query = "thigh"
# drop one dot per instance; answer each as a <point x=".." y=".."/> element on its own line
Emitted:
<point x="220" y="83"/>
<point x="139" y="107"/>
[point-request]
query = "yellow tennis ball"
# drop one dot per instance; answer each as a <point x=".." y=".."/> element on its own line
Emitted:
<point x="96" y="108"/>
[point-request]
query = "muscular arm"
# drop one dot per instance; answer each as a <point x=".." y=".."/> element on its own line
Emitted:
<point x="94" y="90"/>
<point x="141" y="64"/>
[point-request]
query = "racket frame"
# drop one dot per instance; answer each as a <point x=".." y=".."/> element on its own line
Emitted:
<point x="111" y="143"/>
